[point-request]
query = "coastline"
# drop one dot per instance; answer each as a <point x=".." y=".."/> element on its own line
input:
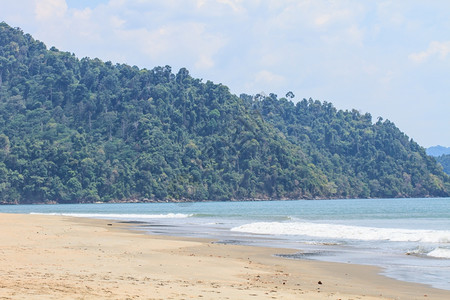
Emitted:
<point x="55" y="257"/>
<point x="187" y="200"/>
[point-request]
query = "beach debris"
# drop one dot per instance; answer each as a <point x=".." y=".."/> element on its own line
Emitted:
<point x="320" y="282"/>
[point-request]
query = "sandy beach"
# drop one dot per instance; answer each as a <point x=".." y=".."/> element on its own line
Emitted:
<point x="54" y="257"/>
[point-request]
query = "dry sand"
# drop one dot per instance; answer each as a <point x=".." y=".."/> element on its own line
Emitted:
<point x="53" y="257"/>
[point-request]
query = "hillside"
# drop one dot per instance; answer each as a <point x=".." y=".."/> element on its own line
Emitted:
<point x="85" y="130"/>
<point x="444" y="161"/>
<point x="359" y="158"/>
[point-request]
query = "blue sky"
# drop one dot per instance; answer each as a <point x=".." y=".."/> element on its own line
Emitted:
<point x="388" y="58"/>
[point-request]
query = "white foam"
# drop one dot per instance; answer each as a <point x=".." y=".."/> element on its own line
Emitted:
<point x="123" y="216"/>
<point x="440" y="253"/>
<point x="418" y="251"/>
<point x="336" y="231"/>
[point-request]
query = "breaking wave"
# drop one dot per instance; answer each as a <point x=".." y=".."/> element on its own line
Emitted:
<point x="336" y="231"/>
<point x="440" y="253"/>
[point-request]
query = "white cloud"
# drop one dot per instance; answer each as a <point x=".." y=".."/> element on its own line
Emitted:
<point x="440" y="49"/>
<point x="47" y="9"/>
<point x="201" y="3"/>
<point x="234" y="4"/>
<point x="391" y="13"/>
<point x="204" y="61"/>
<point x="266" y="77"/>
<point x="387" y="78"/>
<point x="84" y="14"/>
<point x="322" y="20"/>
<point x="116" y="22"/>
<point x="328" y="18"/>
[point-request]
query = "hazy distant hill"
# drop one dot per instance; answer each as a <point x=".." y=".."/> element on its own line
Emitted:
<point x="85" y="130"/>
<point x="438" y="150"/>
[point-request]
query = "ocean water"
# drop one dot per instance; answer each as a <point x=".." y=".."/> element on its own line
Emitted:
<point x="408" y="238"/>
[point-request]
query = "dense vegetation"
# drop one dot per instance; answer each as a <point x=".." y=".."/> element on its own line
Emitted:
<point x="444" y="161"/>
<point x="359" y="158"/>
<point x="84" y="130"/>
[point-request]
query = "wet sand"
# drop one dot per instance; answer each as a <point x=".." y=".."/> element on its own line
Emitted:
<point x="54" y="257"/>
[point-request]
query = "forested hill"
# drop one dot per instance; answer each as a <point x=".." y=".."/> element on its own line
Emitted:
<point x="84" y="130"/>
<point x="359" y="158"/>
<point x="444" y="160"/>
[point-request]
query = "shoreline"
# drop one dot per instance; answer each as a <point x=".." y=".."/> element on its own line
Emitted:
<point x="57" y="257"/>
<point x="186" y="200"/>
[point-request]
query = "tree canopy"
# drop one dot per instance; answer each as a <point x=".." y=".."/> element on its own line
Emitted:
<point x="444" y="161"/>
<point x="359" y="158"/>
<point x="83" y="130"/>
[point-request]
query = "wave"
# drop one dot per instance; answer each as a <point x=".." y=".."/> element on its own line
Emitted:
<point x="440" y="253"/>
<point x="336" y="231"/>
<point x="120" y="216"/>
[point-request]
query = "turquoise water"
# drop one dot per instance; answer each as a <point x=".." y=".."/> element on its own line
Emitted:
<point x="408" y="238"/>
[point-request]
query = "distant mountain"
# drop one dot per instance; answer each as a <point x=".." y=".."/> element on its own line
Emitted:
<point x="76" y="131"/>
<point x="438" y="150"/>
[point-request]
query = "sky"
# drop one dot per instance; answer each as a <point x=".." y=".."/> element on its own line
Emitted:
<point x="388" y="58"/>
